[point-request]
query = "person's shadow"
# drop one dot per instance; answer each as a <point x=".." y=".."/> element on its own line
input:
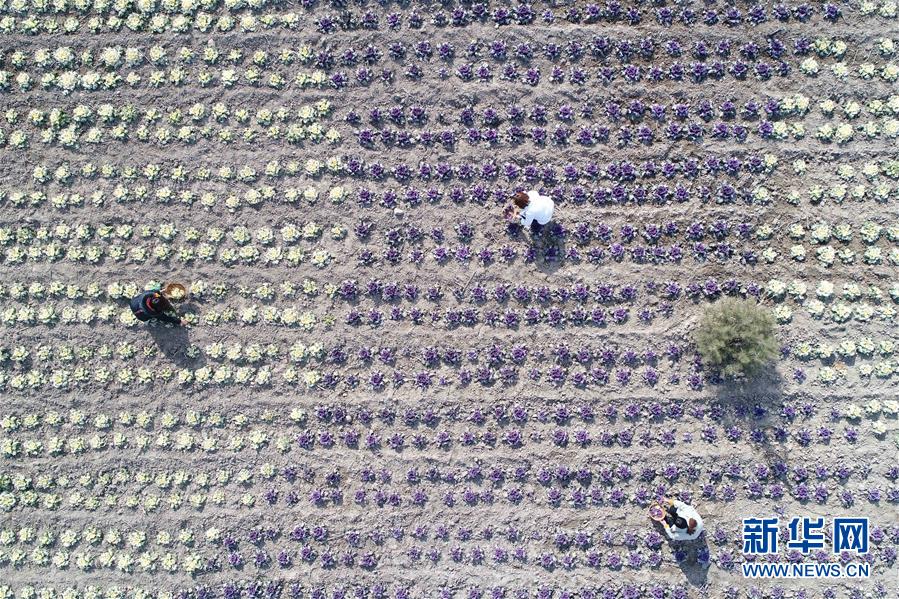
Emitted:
<point x="551" y="248"/>
<point x="172" y="342"/>
<point x="692" y="557"/>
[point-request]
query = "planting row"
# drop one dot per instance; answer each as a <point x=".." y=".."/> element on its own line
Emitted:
<point x="450" y="318"/>
<point x="198" y="17"/>
<point x="499" y="50"/>
<point x="848" y="349"/>
<point x="413" y="197"/>
<point x="306" y="557"/>
<point x="377" y="290"/>
<point x="438" y="255"/>
<point x="819" y="233"/>
<point x="586" y="136"/>
<point x="375" y="380"/>
<point x="459" y="498"/>
<point x="461" y="15"/>
<point x="502" y="414"/>
<point x="277" y="588"/>
<point x="504" y="364"/>
<point x="722" y="165"/>
<point x="416" y="116"/>
<point x="271" y="76"/>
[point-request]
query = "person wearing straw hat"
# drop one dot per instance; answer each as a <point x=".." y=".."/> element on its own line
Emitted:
<point x="153" y="305"/>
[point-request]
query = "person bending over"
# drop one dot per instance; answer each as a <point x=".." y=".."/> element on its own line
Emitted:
<point x="532" y="210"/>
<point x="682" y="522"/>
<point x="152" y="305"/>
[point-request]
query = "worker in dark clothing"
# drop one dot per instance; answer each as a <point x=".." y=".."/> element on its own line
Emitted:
<point x="152" y="304"/>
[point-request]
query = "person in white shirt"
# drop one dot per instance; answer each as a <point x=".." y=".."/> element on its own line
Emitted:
<point x="682" y="522"/>
<point x="532" y="210"/>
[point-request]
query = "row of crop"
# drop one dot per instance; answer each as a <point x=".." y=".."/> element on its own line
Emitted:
<point x="138" y="539"/>
<point x="188" y="20"/>
<point x="636" y="111"/>
<point x="67" y="82"/>
<point x="460" y="16"/>
<point x="341" y="353"/>
<point x="99" y="359"/>
<point x="752" y="167"/>
<point x="197" y="563"/>
<point x="82" y="377"/>
<point x="70" y="137"/>
<point x="395" y="292"/>
<point x="412" y="197"/>
<point x="87" y="375"/>
<point x="313" y="532"/>
<point x="16" y="446"/>
<point x="319" y="495"/>
<point x="610" y="111"/>
<point x="645" y="134"/>
<point x="242" y="240"/>
<point x="586" y="136"/>
<point x="581" y="233"/>
<point x="114" y="67"/>
<point x="135" y="22"/>
<point x="509" y="318"/>
<point x="481" y="61"/>
<point x="619" y="111"/>
<point x="501" y="414"/>
<point x="135" y="253"/>
<point x="696" y="72"/>
<point x="376" y="380"/>
<point x="476" y="472"/>
<point x="375" y="440"/>
<point x="97" y="365"/>
<point x="123" y="7"/>
<point x="278" y="588"/>
<point x="431" y="356"/>
<point x="459" y="498"/>
<point x="408" y="198"/>
<point x="721" y="252"/>
<point x="289" y="232"/>
<point x="498" y="50"/>
<point x="730" y="165"/>
<point x="82" y="115"/>
<point x="440" y="255"/>
<point x="319" y="536"/>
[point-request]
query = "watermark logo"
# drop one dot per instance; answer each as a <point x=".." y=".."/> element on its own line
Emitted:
<point x="850" y="534"/>
<point x="761" y="536"/>
<point x="806" y="534"/>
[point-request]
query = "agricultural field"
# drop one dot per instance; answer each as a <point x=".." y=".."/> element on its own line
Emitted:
<point x="388" y="392"/>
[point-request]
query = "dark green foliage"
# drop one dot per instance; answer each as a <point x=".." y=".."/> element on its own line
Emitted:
<point x="736" y="336"/>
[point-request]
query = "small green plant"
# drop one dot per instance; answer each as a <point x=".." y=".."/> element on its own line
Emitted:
<point x="736" y="336"/>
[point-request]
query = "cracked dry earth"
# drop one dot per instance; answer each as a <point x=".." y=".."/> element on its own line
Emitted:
<point x="387" y="392"/>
